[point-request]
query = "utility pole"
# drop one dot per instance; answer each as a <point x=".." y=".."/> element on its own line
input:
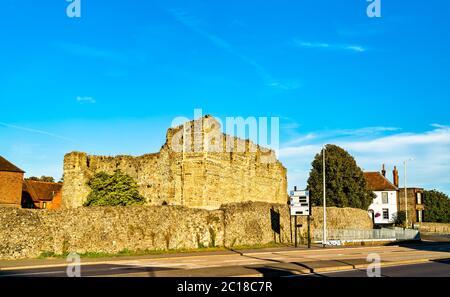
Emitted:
<point x="324" y="235"/>
<point x="295" y="234"/>
<point x="406" y="195"/>
<point x="406" y="200"/>
<point x="309" y="230"/>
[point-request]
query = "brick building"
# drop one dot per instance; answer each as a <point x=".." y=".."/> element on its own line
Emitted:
<point x="41" y="195"/>
<point x="415" y="204"/>
<point x="11" y="179"/>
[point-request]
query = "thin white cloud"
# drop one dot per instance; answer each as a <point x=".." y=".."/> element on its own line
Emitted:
<point x="438" y="136"/>
<point x="85" y="100"/>
<point x="93" y="52"/>
<point x="334" y="135"/>
<point x="197" y="25"/>
<point x="430" y="151"/>
<point x="331" y="46"/>
<point x="284" y="86"/>
<point x="355" y="48"/>
<point x="438" y="126"/>
<point x="366" y="131"/>
<point x="31" y="130"/>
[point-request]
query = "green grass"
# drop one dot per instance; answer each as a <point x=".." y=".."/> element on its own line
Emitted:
<point x="45" y="255"/>
<point x="128" y="253"/>
<point x="260" y="246"/>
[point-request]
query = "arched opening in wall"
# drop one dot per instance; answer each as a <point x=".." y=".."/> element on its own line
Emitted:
<point x="26" y="201"/>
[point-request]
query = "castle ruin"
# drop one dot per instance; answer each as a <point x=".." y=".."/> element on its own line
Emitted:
<point x="198" y="167"/>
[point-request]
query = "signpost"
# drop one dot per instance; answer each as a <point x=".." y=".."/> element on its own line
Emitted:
<point x="299" y="203"/>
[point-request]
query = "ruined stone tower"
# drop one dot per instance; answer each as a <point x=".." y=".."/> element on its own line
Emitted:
<point x="198" y="166"/>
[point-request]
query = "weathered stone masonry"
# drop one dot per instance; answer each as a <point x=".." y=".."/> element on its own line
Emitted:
<point x="194" y="168"/>
<point x="26" y="233"/>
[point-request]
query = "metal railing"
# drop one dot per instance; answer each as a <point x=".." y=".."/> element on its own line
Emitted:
<point x="384" y="234"/>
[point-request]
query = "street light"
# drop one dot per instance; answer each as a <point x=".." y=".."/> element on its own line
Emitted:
<point x="324" y="233"/>
<point x="406" y="194"/>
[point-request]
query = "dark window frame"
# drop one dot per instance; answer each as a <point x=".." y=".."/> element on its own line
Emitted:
<point x="385" y="213"/>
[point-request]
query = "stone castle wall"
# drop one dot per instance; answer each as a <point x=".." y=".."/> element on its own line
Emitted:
<point x="198" y="166"/>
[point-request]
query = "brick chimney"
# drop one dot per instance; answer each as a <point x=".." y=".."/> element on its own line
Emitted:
<point x="395" y="173"/>
<point x="383" y="171"/>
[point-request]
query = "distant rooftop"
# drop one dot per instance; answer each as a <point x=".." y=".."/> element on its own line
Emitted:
<point x="377" y="182"/>
<point x="5" y="165"/>
<point x="41" y="191"/>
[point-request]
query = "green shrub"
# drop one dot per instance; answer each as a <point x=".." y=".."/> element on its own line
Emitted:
<point x="118" y="189"/>
<point x="400" y="219"/>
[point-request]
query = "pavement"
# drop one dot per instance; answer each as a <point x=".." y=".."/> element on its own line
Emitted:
<point x="247" y="263"/>
<point x="438" y="268"/>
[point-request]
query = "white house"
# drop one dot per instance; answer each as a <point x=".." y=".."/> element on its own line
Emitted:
<point x="383" y="209"/>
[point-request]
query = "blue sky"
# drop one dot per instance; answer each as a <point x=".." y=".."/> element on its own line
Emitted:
<point x="111" y="81"/>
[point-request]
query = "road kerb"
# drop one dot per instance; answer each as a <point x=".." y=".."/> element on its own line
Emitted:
<point x="348" y="267"/>
<point x="51" y="266"/>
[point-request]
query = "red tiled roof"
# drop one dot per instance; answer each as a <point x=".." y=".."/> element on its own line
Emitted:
<point x="377" y="182"/>
<point x="41" y="191"/>
<point x="5" y="165"/>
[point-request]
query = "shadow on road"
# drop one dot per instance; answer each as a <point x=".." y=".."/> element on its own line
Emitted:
<point x="442" y="261"/>
<point x="271" y="271"/>
<point x="87" y="270"/>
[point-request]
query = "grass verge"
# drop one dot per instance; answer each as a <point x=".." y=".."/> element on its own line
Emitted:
<point x="129" y="253"/>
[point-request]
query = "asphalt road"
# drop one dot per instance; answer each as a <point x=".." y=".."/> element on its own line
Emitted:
<point x="88" y="270"/>
<point x="431" y="269"/>
<point x="269" y="262"/>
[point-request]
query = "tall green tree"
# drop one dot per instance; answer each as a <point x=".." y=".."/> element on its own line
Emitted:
<point x="437" y="207"/>
<point x="118" y="189"/>
<point x="345" y="182"/>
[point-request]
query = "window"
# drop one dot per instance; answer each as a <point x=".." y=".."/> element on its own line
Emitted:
<point x="385" y="214"/>
<point x="420" y="216"/>
<point x="419" y="198"/>
<point x="384" y="198"/>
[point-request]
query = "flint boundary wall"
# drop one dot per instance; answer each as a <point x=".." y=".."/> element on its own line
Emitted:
<point x="29" y="233"/>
